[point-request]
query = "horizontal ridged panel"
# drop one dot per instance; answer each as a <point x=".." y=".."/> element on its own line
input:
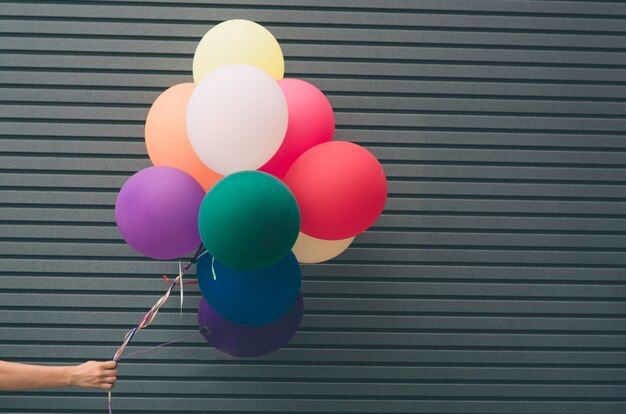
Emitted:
<point x="492" y="283"/>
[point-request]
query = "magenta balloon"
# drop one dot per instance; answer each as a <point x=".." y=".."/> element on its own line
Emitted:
<point x="157" y="212"/>
<point x="248" y="341"/>
<point x="311" y="122"/>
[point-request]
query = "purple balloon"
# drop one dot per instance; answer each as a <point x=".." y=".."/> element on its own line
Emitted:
<point x="157" y="212"/>
<point x="248" y="341"/>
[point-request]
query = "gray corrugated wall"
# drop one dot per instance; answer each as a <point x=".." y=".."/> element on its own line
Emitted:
<point x="493" y="283"/>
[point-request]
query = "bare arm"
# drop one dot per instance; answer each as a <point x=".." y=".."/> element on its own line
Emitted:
<point x="91" y="374"/>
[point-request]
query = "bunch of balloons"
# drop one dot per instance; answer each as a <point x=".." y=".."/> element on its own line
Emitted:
<point x="244" y="163"/>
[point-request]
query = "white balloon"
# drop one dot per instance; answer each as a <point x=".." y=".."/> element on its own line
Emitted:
<point x="236" y="118"/>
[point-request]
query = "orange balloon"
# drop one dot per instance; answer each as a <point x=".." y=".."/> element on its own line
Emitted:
<point x="166" y="135"/>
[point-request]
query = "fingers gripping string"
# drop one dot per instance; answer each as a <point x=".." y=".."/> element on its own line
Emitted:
<point x="151" y="314"/>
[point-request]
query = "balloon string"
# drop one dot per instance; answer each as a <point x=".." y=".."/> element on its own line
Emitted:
<point x="213" y="268"/>
<point x="168" y="280"/>
<point x="151" y="314"/>
<point x="181" y="284"/>
<point x="143" y="351"/>
<point x="202" y="254"/>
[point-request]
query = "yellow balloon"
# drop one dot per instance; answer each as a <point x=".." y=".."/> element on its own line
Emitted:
<point x="238" y="41"/>
<point x="311" y="250"/>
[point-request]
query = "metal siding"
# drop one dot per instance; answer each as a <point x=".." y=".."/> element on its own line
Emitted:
<point x="493" y="282"/>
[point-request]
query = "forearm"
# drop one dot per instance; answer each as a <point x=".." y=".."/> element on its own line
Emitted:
<point x="14" y="376"/>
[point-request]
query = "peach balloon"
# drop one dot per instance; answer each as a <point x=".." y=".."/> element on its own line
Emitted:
<point x="311" y="250"/>
<point x="166" y="135"/>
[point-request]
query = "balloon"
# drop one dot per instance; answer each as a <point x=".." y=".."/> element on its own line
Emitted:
<point x="238" y="41"/>
<point x="341" y="189"/>
<point x="157" y="212"/>
<point x="248" y="341"/>
<point x="251" y="298"/>
<point x="236" y="118"/>
<point x="311" y="250"/>
<point x="311" y="122"/>
<point x="249" y="220"/>
<point x="166" y="135"/>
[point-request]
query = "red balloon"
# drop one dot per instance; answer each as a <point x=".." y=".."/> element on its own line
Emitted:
<point x="340" y="187"/>
<point x="311" y="122"/>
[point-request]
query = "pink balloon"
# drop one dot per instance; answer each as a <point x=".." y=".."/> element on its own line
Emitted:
<point x="311" y="122"/>
<point x="341" y="189"/>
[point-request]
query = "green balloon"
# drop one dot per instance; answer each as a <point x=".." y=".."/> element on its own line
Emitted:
<point x="249" y="220"/>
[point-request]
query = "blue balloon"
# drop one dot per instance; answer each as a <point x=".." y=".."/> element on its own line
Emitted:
<point x="250" y="297"/>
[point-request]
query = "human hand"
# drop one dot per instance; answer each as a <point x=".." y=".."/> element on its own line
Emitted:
<point x="94" y="374"/>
